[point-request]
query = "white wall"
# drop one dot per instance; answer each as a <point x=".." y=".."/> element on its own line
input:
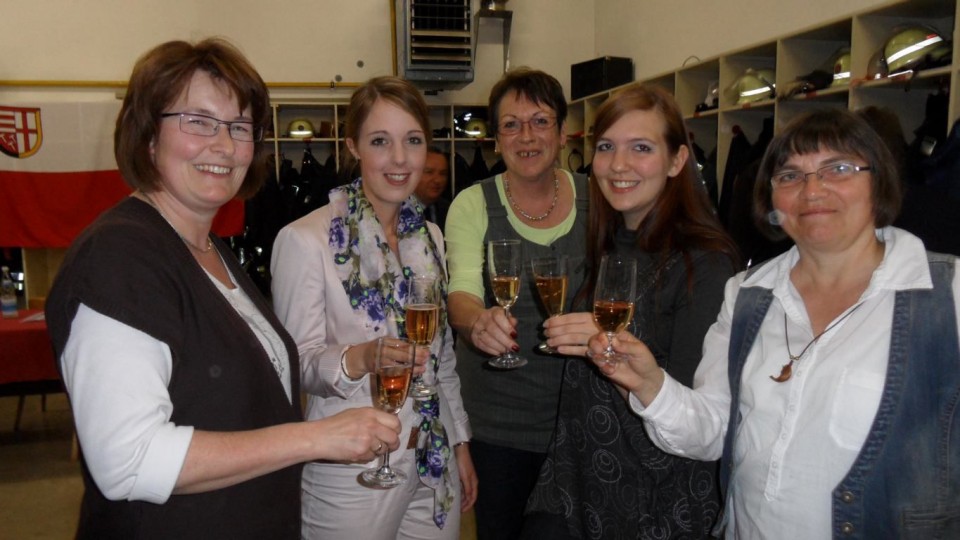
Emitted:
<point x="317" y="40"/>
<point x="287" y="40"/>
<point x="661" y="34"/>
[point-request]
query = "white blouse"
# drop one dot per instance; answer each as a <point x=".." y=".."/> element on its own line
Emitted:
<point x="797" y="439"/>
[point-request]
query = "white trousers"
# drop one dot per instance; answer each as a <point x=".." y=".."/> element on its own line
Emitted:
<point x="335" y="506"/>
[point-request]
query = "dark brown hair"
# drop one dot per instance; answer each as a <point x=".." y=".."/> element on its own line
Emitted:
<point x="838" y="130"/>
<point x="531" y="84"/>
<point x="159" y="78"/>
<point x="681" y="218"/>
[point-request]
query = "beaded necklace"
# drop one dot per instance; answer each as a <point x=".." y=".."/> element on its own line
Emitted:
<point x="513" y="203"/>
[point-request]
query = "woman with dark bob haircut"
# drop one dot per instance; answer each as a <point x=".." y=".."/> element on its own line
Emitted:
<point x="829" y="382"/>
<point x="185" y="387"/>
<point x="844" y="132"/>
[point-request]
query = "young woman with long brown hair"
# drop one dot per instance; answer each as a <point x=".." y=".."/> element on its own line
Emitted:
<point x="603" y="477"/>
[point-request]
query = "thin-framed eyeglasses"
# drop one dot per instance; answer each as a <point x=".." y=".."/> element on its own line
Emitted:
<point x="828" y="174"/>
<point x="208" y="126"/>
<point x="513" y="126"/>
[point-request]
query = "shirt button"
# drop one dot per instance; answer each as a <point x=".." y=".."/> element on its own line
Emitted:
<point x="846" y="497"/>
<point x="846" y="527"/>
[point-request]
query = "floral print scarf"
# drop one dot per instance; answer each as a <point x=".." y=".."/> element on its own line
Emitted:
<point x="377" y="284"/>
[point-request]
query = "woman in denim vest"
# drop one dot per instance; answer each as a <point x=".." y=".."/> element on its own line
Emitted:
<point x="829" y="382"/>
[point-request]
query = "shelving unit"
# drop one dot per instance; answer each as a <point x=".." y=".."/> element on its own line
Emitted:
<point x="327" y="118"/>
<point x="792" y="56"/>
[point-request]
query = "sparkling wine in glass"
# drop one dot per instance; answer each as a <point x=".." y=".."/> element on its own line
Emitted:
<point x="503" y="264"/>
<point x="394" y="366"/>
<point x="422" y="317"/>
<point x="613" y="298"/>
<point x="550" y="277"/>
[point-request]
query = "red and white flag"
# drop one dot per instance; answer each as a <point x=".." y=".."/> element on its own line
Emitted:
<point x="58" y="173"/>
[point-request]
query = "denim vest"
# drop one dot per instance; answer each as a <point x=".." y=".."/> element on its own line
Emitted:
<point x="905" y="483"/>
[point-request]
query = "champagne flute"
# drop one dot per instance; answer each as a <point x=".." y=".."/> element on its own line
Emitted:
<point x="422" y="316"/>
<point x="550" y="277"/>
<point x="613" y="298"/>
<point x="503" y="263"/>
<point x="394" y="366"/>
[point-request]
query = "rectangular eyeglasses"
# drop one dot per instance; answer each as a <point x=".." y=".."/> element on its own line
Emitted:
<point x="828" y="174"/>
<point x="513" y="126"/>
<point x="208" y="126"/>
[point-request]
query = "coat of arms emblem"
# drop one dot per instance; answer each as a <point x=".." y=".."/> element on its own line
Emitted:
<point x="20" y="132"/>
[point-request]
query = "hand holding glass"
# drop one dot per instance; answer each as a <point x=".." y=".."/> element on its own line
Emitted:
<point x="613" y="298"/>
<point x="394" y="366"/>
<point x="503" y="263"/>
<point x="422" y="315"/>
<point x="550" y="276"/>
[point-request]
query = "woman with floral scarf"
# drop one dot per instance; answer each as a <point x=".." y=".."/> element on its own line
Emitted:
<point x="341" y="279"/>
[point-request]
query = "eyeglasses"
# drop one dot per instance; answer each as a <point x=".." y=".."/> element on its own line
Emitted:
<point x="537" y="123"/>
<point x="828" y="174"/>
<point x="208" y="126"/>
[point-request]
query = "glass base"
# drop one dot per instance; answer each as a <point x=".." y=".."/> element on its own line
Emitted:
<point x="382" y="478"/>
<point x="546" y="349"/>
<point x="609" y="357"/>
<point x="508" y="362"/>
<point x="421" y="391"/>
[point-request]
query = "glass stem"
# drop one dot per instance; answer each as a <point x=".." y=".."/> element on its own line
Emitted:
<point x="509" y="353"/>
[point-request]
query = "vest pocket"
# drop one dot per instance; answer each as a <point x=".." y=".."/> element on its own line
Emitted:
<point x="938" y="522"/>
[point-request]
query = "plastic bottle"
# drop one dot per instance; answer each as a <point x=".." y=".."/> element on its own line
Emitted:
<point x="8" y="295"/>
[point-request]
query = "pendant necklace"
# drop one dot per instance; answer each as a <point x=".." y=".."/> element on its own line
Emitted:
<point x="787" y="371"/>
<point x="513" y="203"/>
<point x="189" y="244"/>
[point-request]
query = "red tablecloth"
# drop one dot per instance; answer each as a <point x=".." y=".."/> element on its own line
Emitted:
<point x="26" y="354"/>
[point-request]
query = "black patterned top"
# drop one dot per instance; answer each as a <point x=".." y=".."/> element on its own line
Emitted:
<point x="603" y="476"/>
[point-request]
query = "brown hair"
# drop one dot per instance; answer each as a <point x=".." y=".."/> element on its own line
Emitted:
<point x="681" y="218"/>
<point x="534" y="85"/>
<point x="159" y="78"/>
<point x="392" y="89"/>
<point x="829" y="129"/>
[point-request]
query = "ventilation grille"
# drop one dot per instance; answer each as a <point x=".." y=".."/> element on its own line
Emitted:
<point x="436" y="42"/>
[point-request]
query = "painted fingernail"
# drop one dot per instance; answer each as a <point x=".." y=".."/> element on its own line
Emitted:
<point x="513" y="334"/>
<point x="515" y="348"/>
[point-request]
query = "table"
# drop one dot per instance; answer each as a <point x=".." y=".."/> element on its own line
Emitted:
<point x="26" y="359"/>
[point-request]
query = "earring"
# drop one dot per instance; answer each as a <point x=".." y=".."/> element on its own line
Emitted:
<point x="775" y="218"/>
